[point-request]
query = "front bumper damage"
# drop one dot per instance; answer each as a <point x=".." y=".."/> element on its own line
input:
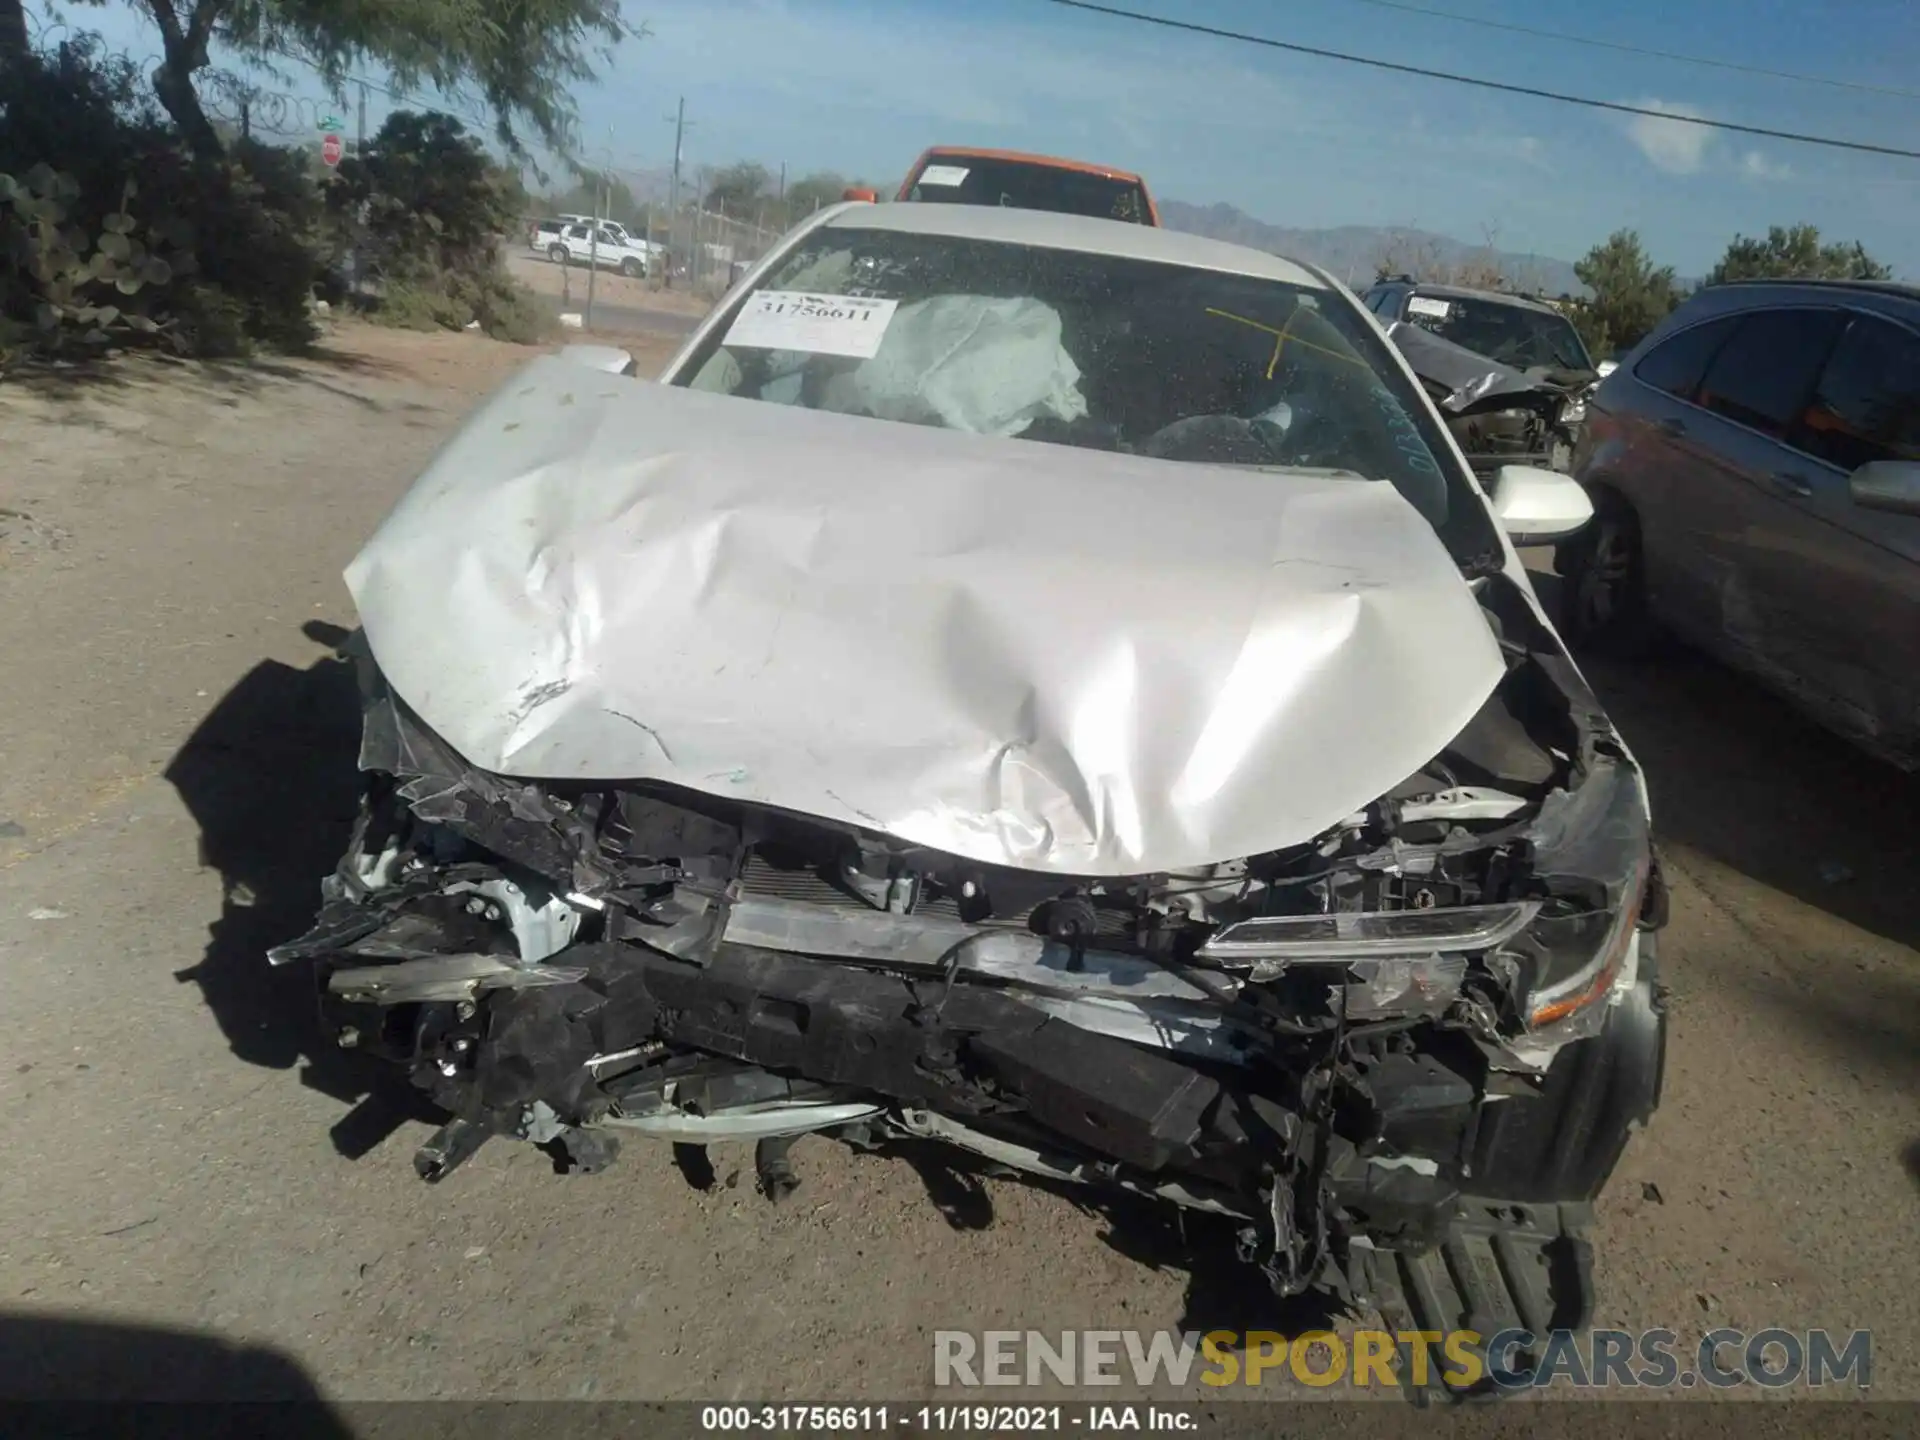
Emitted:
<point x="571" y="965"/>
<point x="1497" y="414"/>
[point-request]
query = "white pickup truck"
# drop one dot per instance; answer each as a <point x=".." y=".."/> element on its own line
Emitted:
<point x="575" y="244"/>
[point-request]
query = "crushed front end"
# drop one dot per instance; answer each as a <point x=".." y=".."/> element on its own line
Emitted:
<point x="1499" y="415"/>
<point x="1402" y="1056"/>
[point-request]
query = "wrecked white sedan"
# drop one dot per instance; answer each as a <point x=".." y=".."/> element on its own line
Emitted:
<point x="1040" y="684"/>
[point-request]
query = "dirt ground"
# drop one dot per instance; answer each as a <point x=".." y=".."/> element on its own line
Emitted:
<point x="544" y="277"/>
<point x="176" y="771"/>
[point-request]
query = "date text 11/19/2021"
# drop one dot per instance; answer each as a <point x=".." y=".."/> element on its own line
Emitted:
<point x="973" y="1419"/>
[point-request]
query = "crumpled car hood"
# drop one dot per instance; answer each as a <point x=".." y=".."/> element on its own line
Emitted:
<point x="1472" y="381"/>
<point x="1025" y="654"/>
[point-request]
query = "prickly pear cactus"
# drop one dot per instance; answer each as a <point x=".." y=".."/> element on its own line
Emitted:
<point x="85" y="285"/>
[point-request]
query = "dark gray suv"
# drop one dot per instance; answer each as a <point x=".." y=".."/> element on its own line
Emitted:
<point x="1755" y="470"/>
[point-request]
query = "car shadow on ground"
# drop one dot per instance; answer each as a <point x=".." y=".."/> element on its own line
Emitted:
<point x="1223" y="1292"/>
<point x="1743" y="778"/>
<point x="78" y="1368"/>
<point x="271" y="778"/>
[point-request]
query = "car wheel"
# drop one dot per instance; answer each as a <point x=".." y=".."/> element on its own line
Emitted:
<point x="631" y="269"/>
<point x="557" y="254"/>
<point x="1603" y="583"/>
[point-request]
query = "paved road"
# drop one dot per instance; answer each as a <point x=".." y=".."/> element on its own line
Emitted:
<point x="176" y="768"/>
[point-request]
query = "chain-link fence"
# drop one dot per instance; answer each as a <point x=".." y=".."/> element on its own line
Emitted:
<point x="709" y="249"/>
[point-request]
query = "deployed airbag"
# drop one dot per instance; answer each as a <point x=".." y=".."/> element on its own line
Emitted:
<point x="986" y="366"/>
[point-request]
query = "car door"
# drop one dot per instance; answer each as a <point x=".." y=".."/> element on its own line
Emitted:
<point x="1735" y="507"/>
<point x="1854" y="575"/>
<point x="1639" y="443"/>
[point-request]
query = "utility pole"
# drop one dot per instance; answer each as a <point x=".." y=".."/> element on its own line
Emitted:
<point x="360" y="123"/>
<point x="679" y="118"/>
<point x="602" y="199"/>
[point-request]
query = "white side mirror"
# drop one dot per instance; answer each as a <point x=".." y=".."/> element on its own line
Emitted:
<point x="1537" y="506"/>
<point x="1892" y="485"/>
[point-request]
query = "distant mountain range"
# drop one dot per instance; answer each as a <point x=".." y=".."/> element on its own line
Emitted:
<point x="1352" y="252"/>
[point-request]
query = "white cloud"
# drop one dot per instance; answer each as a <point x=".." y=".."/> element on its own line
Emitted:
<point x="1675" y="146"/>
<point x="1758" y="166"/>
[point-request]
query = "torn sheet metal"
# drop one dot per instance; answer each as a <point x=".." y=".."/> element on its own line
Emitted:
<point x="1031" y="655"/>
<point x="1471" y="381"/>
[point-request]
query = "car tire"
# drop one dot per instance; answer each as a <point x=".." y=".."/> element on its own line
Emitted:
<point x="1603" y="583"/>
<point x="632" y="268"/>
<point x="557" y="254"/>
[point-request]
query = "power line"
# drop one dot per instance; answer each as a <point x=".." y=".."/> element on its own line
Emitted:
<point x="470" y="116"/>
<point x="1830" y="142"/>
<point x="1651" y="53"/>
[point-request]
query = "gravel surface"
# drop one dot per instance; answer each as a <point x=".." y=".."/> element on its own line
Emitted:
<point x="176" y="771"/>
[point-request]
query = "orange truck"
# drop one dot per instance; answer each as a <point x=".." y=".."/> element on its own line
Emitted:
<point x="959" y="175"/>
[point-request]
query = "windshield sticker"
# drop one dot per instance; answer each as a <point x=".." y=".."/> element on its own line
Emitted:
<point x="1426" y="305"/>
<point x="944" y="175"/>
<point x="849" y="325"/>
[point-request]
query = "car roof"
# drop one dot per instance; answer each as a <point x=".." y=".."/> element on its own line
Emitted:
<point x="1055" y="162"/>
<point x="1896" y="289"/>
<point x="1055" y="231"/>
<point x="1730" y="297"/>
<point x="1464" y="292"/>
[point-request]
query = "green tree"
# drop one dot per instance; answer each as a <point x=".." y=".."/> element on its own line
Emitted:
<point x="1630" y="295"/>
<point x="522" y="59"/>
<point x="425" y="198"/>
<point x="15" y="43"/>
<point x="811" y="192"/>
<point x="738" y="188"/>
<point x="611" y="197"/>
<point x="1795" y="253"/>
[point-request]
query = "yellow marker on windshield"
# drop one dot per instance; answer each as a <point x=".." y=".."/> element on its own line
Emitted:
<point x="1279" y="336"/>
<point x="1282" y="336"/>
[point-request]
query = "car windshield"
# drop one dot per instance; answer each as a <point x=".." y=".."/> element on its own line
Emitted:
<point x="1088" y="350"/>
<point x="1516" y="335"/>
<point x="1025" y="185"/>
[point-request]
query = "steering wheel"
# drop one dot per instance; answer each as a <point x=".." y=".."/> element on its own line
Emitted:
<point x="1300" y="431"/>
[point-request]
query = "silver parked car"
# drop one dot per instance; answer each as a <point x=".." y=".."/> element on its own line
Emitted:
<point x="1755" y="470"/>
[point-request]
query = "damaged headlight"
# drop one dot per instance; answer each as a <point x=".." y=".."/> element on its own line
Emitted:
<point x="1268" y="944"/>
<point x="1584" y="953"/>
<point x="1593" y="852"/>
<point x="1377" y="963"/>
<point x="1559" y="955"/>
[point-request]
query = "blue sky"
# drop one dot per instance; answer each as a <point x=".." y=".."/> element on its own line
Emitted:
<point x="861" y="86"/>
